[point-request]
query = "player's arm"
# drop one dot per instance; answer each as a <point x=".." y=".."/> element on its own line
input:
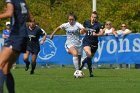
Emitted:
<point x="8" y="12"/>
<point x="82" y="29"/>
<point x="99" y="34"/>
<point x="4" y="36"/>
<point x="56" y="30"/>
<point x="44" y="36"/>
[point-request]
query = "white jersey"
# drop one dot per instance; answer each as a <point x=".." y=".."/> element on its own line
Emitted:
<point x="123" y="32"/>
<point x="73" y="33"/>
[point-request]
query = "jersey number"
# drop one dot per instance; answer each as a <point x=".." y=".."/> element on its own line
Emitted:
<point x="23" y="8"/>
<point x="90" y="33"/>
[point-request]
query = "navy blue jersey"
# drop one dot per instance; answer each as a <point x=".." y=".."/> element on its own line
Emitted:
<point x="35" y="34"/>
<point x="96" y="28"/>
<point x="19" y="18"/>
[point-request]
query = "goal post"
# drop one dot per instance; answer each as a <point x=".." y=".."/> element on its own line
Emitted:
<point x="94" y="5"/>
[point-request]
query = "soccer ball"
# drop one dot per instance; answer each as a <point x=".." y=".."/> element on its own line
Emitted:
<point x="78" y="74"/>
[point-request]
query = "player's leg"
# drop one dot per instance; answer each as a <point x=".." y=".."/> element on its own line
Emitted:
<point x="8" y="57"/>
<point x="87" y="50"/>
<point x="79" y="50"/>
<point x="79" y="61"/>
<point x="9" y="77"/>
<point x="2" y="79"/>
<point x="82" y="60"/>
<point x="34" y="57"/>
<point x="88" y="59"/>
<point x="26" y="60"/>
<point x="72" y="50"/>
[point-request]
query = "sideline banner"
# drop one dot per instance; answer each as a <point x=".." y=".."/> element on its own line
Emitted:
<point x="111" y="50"/>
<point x="121" y="50"/>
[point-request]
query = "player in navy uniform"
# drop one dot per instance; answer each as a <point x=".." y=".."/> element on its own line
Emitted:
<point x="18" y="12"/>
<point x="90" y="41"/>
<point x="33" y="46"/>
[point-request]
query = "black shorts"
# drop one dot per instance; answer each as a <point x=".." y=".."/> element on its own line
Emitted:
<point x="17" y="43"/>
<point x="33" y="47"/>
<point x="93" y="45"/>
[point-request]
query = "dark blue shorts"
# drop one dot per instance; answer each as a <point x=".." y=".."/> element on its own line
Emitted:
<point x="17" y="43"/>
<point x="33" y="47"/>
<point x="93" y="45"/>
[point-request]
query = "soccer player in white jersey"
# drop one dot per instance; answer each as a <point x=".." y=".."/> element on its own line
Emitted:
<point x="73" y="43"/>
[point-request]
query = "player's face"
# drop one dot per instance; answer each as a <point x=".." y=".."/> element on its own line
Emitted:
<point x="8" y="26"/>
<point x="71" y="20"/>
<point x="93" y="17"/>
<point x="32" y="24"/>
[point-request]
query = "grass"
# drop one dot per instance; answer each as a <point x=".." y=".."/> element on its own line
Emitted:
<point x="61" y="80"/>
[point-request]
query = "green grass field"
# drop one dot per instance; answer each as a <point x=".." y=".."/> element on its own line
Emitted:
<point x="61" y="80"/>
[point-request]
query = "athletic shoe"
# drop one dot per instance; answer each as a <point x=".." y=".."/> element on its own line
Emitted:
<point x="27" y="66"/>
<point x="91" y="75"/>
<point x="32" y="72"/>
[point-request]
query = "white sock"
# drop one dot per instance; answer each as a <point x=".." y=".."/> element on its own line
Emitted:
<point x="75" y="62"/>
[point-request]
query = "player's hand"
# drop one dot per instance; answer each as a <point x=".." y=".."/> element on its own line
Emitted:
<point x="94" y="34"/>
<point x="51" y="37"/>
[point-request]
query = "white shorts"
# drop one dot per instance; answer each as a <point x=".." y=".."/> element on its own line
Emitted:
<point x="78" y="48"/>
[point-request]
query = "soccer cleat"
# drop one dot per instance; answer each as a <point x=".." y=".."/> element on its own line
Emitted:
<point x="91" y="75"/>
<point x="27" y="66"/>
<point x="32" y="72"/>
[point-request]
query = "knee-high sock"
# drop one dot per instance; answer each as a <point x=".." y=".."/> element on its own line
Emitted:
<point x="2" y="79"/>
<point x="10" y="83"/>
<point x="89" y="63"/>
<point x="75" y="62"/>
<point x="26" y="62"/>
<point x="33" y="66"/>
<point x="83" y="63"/>
<point x="79" y="61"/>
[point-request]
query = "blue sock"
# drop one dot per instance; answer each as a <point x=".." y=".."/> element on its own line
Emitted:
<point x="10" y="83"/>
<point x="2" y="78"/>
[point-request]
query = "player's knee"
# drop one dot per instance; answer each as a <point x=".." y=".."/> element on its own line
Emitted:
<point x="75" y="54"/>
<point x="25" y="59"/>
<point x="89" y="54"/>
<point x="33" y="60"/>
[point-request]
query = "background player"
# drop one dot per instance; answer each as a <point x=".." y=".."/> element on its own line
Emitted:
<point x="90" y="41"/>
<point x="73" y="42"/>
<point x="33" y="46"/>
<point x="6" y="32"/>
<point x="17" y="10"/>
